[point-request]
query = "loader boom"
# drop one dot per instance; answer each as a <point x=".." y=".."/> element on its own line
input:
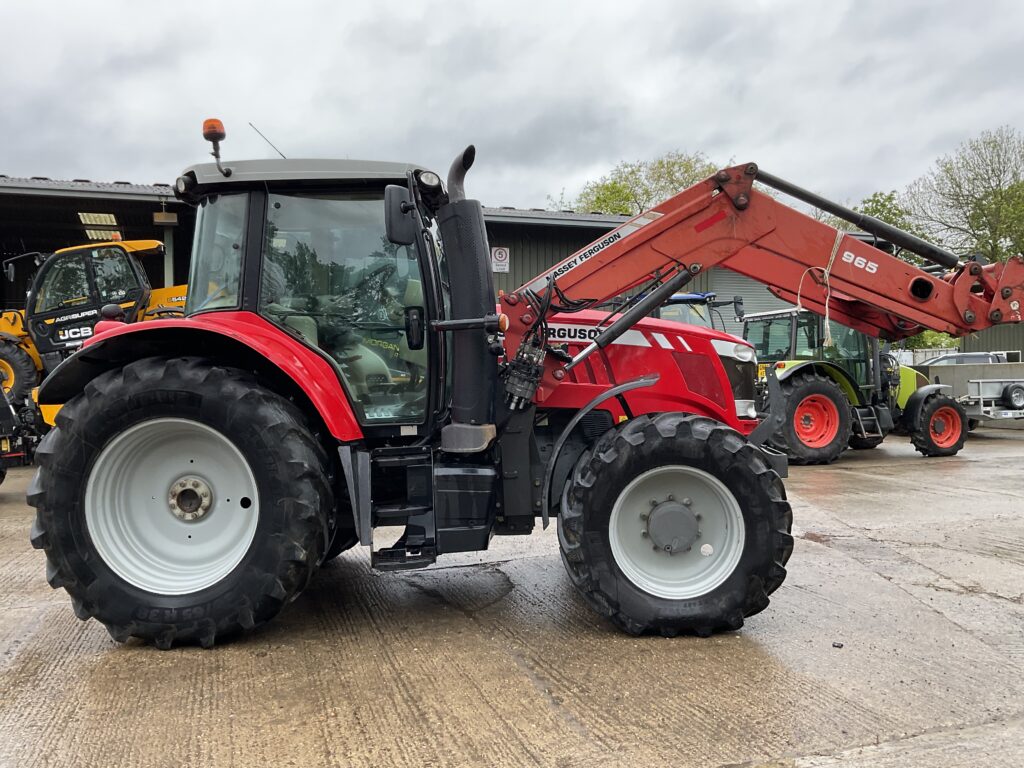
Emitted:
<point x="724" y="221"/>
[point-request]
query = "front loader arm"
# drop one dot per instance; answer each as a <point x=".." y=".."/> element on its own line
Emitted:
<point x="724" y="221"/>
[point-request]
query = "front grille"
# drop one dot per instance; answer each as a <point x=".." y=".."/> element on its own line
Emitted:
<point x="742" y="377"/>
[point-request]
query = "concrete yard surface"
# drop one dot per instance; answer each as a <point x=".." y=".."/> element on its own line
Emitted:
<point x="897" y="640"/>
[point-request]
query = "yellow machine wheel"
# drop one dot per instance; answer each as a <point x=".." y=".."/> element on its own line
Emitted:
<point x="18" y="371"/>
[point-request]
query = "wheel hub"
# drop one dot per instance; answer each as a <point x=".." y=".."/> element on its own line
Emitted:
<point x="189" y="498"/>
<point x="672" y="526"/>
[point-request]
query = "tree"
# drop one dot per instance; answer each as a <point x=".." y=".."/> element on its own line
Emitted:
<point x="973" y="199"/>
<point x="634" y="187"/>
<point x="930" y="340"/>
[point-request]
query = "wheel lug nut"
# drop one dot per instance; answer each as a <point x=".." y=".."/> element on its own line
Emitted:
<point x="644" y="534"/>
<point x="644" y="517"/>
<point x="671" y="497"/>
<point x="698" y="516"/>
<point x="687" y="502"/>
<point x="654" y="502"/>
<point x="195" y="483"/>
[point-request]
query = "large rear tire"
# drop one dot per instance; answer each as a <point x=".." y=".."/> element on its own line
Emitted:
<point x="941" y="427"/>
<point x="179" y="502"/>
<point x="18" y="371"/>
<point x="675" y="523"/>
<point x="818" y="425"/>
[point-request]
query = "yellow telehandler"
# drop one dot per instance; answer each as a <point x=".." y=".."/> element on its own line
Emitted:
<point x="69" y="288"/>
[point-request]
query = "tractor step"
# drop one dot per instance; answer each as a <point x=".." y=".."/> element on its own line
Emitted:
<point x="401" y="559"/>
<point x="383" y="512"/>
<point x="871" y="421"/>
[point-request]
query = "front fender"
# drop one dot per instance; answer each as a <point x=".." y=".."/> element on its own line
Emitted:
<point x="239" y="339"/>
<point x="837" y="373"/>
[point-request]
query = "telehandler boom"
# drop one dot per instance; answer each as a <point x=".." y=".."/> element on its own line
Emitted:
<point x="341" y="367"/>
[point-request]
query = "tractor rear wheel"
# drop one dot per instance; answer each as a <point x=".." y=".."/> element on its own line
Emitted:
<point x="941" y="427"/>
<point x="818" y="425"/>
<point x="675" y="523"/>
<point x="179" y="502"/>
<point x="18" y="371"/>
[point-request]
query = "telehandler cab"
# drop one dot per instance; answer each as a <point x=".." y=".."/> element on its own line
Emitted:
<point x="342" y="367"/>
<point x="69" y="288"/>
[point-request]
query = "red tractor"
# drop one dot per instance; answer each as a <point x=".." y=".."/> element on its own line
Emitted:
<point x="341" y="367"/>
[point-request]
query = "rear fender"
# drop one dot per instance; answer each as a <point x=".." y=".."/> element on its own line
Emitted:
<point x="830" y="371"/>
<point x="915" y="403"/>
<point x="238" y="339"/>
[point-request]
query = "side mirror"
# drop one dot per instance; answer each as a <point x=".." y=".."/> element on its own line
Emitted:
<point x="414" y="328"/>
<point x="112" y="312"/>
<point x="737" y="303"/>
<point x="9" y="271"/>
<point x="400" y="215"/>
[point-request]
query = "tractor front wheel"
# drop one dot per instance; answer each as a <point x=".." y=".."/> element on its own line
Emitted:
<point x="818" y="425"/>
<point x="179" y="502"/>
<point x="675" y="523"/>
<point x="941" y="427"/>
<point x="18" y="371"/>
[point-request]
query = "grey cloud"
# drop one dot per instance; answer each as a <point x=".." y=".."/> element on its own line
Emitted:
<point x="846" y="98"/>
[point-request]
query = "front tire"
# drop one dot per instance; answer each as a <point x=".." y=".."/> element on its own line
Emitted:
<point x="818" y="425"/>
<point x="19" y="372"/>
<point x="179" y="502"/>
<point x="703" y="496"/>
<point x="941" y="427"/>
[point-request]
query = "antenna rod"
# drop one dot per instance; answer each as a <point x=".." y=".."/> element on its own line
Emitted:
<point x="268" y="141"/>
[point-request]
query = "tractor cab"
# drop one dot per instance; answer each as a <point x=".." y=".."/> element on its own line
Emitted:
<point x="798" y="335"/>
<point x="74" y="284"/>
<point x="312" y="257"/>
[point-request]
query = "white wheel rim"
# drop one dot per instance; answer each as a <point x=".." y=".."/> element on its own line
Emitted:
<point x="134" y="510"/>
<point x="711" y="557"/>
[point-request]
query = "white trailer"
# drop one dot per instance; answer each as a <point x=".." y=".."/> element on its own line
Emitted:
<point x="994" y="399"/>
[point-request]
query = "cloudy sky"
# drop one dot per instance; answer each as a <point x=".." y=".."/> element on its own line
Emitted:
<point x="843" y="97"/>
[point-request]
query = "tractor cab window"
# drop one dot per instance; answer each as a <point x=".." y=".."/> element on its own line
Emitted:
<point x="808" y="341"/>
<point x="216" y="273"/>
<point x="851" y="349"/>
<point x="66" y="285"/>
<point x="692" y="314"/>
<point x="770" y="337"/>
<point x="332" y="278"/>
<point x="116" y="281"/>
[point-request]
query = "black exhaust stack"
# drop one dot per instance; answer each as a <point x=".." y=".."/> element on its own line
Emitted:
<point x="475" y="369"/>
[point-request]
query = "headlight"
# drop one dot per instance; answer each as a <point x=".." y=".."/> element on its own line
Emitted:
<point x="743" y="353"/>
<point x="430" y="179"/>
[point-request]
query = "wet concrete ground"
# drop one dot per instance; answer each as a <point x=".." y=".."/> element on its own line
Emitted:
<point x="915" y="566"/>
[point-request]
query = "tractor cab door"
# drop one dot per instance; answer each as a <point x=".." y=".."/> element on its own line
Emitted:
<point x="852" y="350"/>
<point x="331" y="277"/>
<point x="70" y="289"/>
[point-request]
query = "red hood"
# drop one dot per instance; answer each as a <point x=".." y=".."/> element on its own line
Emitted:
<point x="650" y="324"/>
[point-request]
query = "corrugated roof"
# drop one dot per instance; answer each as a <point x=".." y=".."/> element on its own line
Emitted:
<point x="40" y="185"/>
<point x="553" y="218"/>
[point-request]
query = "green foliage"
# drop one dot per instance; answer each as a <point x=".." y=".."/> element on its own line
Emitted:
<point x="634" y="187"/>
<point x="973" y="199"/>
<point x="931" y="340"/>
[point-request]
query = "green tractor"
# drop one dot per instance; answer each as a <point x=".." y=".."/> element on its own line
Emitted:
<point x="842" y="391"/>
